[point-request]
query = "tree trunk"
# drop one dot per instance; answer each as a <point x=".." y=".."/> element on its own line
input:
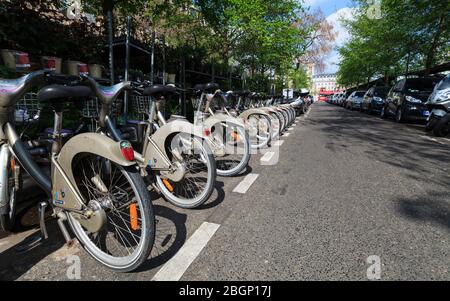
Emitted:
<point x="107" y="5"/>
<point x="434" y="44"/>
<point x="407" y="64"/>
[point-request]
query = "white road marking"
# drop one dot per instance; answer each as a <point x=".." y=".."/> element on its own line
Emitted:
<point x="246" y="183"/>
<point x="278" y="143"/>
<point x="432" y="139"/>
<point x="267" y="157"/>
<point x="174" y="269"/>
<point x="287" y="135"/>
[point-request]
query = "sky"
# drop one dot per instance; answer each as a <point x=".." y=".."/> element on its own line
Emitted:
<point x="334" y="10"/>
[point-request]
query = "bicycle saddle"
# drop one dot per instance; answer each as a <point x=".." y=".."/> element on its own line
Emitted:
<point x="106" y="94"/>
<point x="59" y="93"/>
<point x="210" y="87"/>
<point x="254" y="96"/>
<point x="11" y="90"/>
<point x="241" y="93"/>
<point x="157" y="90"/>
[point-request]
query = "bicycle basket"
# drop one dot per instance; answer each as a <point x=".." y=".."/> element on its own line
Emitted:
<point x="27" y="109"/>
<point x="90" y="108"/>
<point x="140" y="104"/>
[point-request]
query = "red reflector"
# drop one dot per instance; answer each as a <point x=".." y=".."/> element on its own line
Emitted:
<point x="207" y="132"/>
<point x="127" y="150"/>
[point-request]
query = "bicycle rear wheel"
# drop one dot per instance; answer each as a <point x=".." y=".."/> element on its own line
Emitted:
<point x="126" y="239"/>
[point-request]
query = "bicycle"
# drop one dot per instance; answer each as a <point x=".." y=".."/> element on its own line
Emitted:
<point x="94" y="183"/>
<point x="180" y="162"/>
<point x="227" y="136"/>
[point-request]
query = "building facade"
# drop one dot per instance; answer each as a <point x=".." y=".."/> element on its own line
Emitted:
<point x="324" y="82"/>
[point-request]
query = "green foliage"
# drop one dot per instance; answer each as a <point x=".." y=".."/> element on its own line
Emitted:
<point x="262" y="38"/>
<point x="36" y="27"/>
<point x="409" y="35"/>
<point x="299" y="78"/>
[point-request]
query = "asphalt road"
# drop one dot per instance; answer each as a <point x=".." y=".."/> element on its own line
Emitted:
<point x="347" y="186"/>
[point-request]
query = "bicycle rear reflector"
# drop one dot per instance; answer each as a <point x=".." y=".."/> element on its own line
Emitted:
<point x="127" y="150"/>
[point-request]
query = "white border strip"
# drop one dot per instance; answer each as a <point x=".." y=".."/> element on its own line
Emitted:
<point x="246" y="183"/>
<point x="267" y="157"/>
<point x="174" y="269"/>
<point x="278" y="143"/>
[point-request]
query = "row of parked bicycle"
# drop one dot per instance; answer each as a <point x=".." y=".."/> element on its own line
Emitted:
<point x="97" y="174"/>
<point x="422" y="99"/>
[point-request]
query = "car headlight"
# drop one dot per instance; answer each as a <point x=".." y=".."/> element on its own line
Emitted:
<point x="412" y="99"/>
<point x="378" y="99"/>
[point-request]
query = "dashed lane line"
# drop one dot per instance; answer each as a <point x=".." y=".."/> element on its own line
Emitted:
<point x="174" y="269"/>
<point x="278" y="143"/>
<point x="267" y="157"/>
<point x="246" y="183"/>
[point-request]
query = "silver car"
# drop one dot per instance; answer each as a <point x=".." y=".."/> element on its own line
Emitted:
<point x="355" y="100"/>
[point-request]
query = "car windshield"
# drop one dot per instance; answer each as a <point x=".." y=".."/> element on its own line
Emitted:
<point x="418" y="85"/>
<point x="382" y="92"/>
<point x="360" y="94"/>
<point x="445" y="84"/>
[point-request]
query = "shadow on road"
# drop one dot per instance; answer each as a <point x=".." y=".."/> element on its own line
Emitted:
<point x="169" y="238"/>
<point x="217" y="200"/>
<point x="432" y="207"/>
<point x="14" y="264"/>
<point x="399" y="145"/>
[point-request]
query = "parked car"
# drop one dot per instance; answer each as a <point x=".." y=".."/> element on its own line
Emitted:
<point x="330" y="99"/>
<point x="373" y="101"/>
<point x="354" y="100"/>
<point x="439" y="106"/>
<point x="406" y="100"/>
<point x="344" y="98"/>
<point x="338" y="98"/>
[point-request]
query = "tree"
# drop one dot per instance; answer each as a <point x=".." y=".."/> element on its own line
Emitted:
<point x="319" y="39"/>
<point x="410" y="35"/>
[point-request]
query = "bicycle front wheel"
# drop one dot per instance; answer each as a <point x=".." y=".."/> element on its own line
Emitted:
<point x="236" y="143"/>
<point x="260" y="130"/>
<point x="126" y="239"/>
<point x="200" y="173"/>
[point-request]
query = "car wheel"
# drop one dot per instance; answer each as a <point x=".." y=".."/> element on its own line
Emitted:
<point x="431" y="123"/>
<point x="441" y="128"/>
<point x="383" y="113"/>
<point x="399" y="116"/>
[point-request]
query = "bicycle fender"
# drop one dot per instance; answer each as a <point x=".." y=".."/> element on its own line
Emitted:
<point x="246" y="114"/>
<point x="65" y="192"/>
<point x="156" y="156"/>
